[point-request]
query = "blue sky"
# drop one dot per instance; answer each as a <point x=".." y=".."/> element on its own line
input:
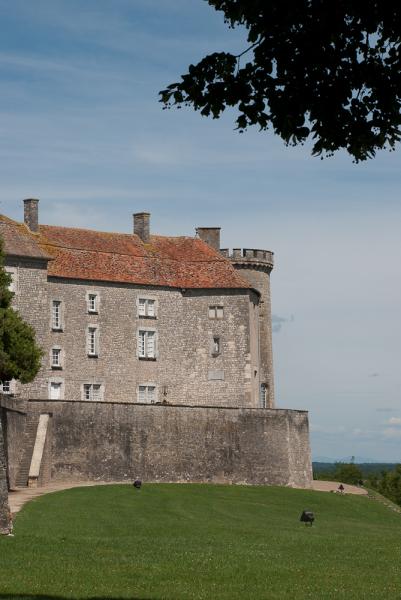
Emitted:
<point x="81" y="129"/>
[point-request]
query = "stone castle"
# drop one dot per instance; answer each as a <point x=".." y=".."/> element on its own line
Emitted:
<point x="157" y="360"/>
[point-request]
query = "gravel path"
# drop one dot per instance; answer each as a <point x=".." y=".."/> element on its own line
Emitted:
<point x="17" y="498"/>
<point x="332" y="486"/>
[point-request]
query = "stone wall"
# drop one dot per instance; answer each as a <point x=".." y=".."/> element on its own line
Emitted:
<point x="185" y="369"/>
<point x="31" y="301"/>
<point x="5" y="517"/>
<point x="119" y="442"/>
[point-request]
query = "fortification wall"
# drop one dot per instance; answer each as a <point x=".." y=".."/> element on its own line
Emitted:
<point x="5" y="520"/>
<point x="119" y="442"/>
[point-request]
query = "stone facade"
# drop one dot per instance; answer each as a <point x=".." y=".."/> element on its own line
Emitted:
<point x="157" y="358"/>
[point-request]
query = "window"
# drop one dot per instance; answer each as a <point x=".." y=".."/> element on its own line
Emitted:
<point x="56" y="314"/>
<point x="146" y="307"/>
<point x="263" y="395"/>
<point x="93" y="303"/>
<point x="93" y="341"/>
<point x="56" y="358"/>
<point x="55" y="390"/>
<point x="216" y="312"/>
<point x="6" y="387"/>
<point x="146" y="343"/>
<point x="147" y="394"/>
<point x="216" y="347"/>
<point x="93" y="392"/>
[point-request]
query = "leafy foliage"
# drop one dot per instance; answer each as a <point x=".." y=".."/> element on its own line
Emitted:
<point x="388" y="483"/>
<point x="19" y="355"/>
<point x="319" y="69"/>
<point x="348" y="473"/>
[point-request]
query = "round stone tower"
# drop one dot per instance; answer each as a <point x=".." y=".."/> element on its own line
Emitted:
<point x="255" y="266"/>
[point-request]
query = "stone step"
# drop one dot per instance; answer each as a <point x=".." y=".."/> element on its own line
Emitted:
<point x="27" y="441"/>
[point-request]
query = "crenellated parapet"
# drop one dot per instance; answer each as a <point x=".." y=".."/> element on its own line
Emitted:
<point x="250" y="258"/>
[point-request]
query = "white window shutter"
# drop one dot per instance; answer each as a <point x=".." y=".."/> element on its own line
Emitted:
<point x="151" y="346"/>
<point x="142" y="393"/>
<point x="151" y="308"/>
<point x="151" y="394"/>
<point x="142" y="307"/>
<point x="141" y="343"/>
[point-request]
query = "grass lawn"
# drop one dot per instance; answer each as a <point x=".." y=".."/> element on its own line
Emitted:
<point x="176" y="542"/>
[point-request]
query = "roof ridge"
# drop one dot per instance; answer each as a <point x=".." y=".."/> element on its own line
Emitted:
<point x="150" y="255"/>
<point x="123" y="233"/>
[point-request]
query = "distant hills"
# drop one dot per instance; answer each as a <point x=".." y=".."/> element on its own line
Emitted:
<point x="347" y="459"/>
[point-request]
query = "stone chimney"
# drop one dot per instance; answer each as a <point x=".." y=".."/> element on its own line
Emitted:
<point x="142" y="226"/>
<point x="31" y="215"/>
<point x="210" y="235"/>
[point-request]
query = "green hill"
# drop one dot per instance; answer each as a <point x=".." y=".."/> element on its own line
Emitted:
<point x="173" y="542"/>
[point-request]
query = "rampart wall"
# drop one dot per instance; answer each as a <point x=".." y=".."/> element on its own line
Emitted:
<point x="119" y="442"/>
<point x="5" y="522"/>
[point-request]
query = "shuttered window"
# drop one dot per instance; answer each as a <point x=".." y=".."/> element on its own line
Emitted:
<point x="146" y="307"/>
<point x="146" y="343"/>
<point x="147" y="394"/>
<point x="93" y="392"/>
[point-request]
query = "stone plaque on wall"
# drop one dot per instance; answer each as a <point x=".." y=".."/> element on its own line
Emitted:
<point x="216" y="376"/>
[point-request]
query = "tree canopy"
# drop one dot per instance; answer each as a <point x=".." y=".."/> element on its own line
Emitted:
<point x="20" y="357"/>
<point x="324" y="70"/>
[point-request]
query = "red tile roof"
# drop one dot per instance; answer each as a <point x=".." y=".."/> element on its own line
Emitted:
<point x="100" y="256"/>
<point x="18" y="240"/>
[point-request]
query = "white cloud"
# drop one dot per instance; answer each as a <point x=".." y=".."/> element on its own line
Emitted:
<point x="394" y="421"/>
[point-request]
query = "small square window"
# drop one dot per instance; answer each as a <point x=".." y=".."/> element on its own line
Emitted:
<point x="6" y="387"/>
<point x="216" y="312"/>
<point x="147" y="394"/>
<point x="146" y="307"/>
<point x="93" y="392"/>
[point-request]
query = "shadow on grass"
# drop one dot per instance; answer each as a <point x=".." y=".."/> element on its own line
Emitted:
<point x="41" y="597"/>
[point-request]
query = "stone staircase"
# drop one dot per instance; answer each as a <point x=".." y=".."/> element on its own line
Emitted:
<point x="373" y="495"/>
<point x="28" y="442"/>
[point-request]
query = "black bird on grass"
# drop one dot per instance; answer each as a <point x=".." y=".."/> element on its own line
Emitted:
<point x="307" y="517"/>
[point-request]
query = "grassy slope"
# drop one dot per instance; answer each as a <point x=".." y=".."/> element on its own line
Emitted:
<point x="197" y="541"/>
